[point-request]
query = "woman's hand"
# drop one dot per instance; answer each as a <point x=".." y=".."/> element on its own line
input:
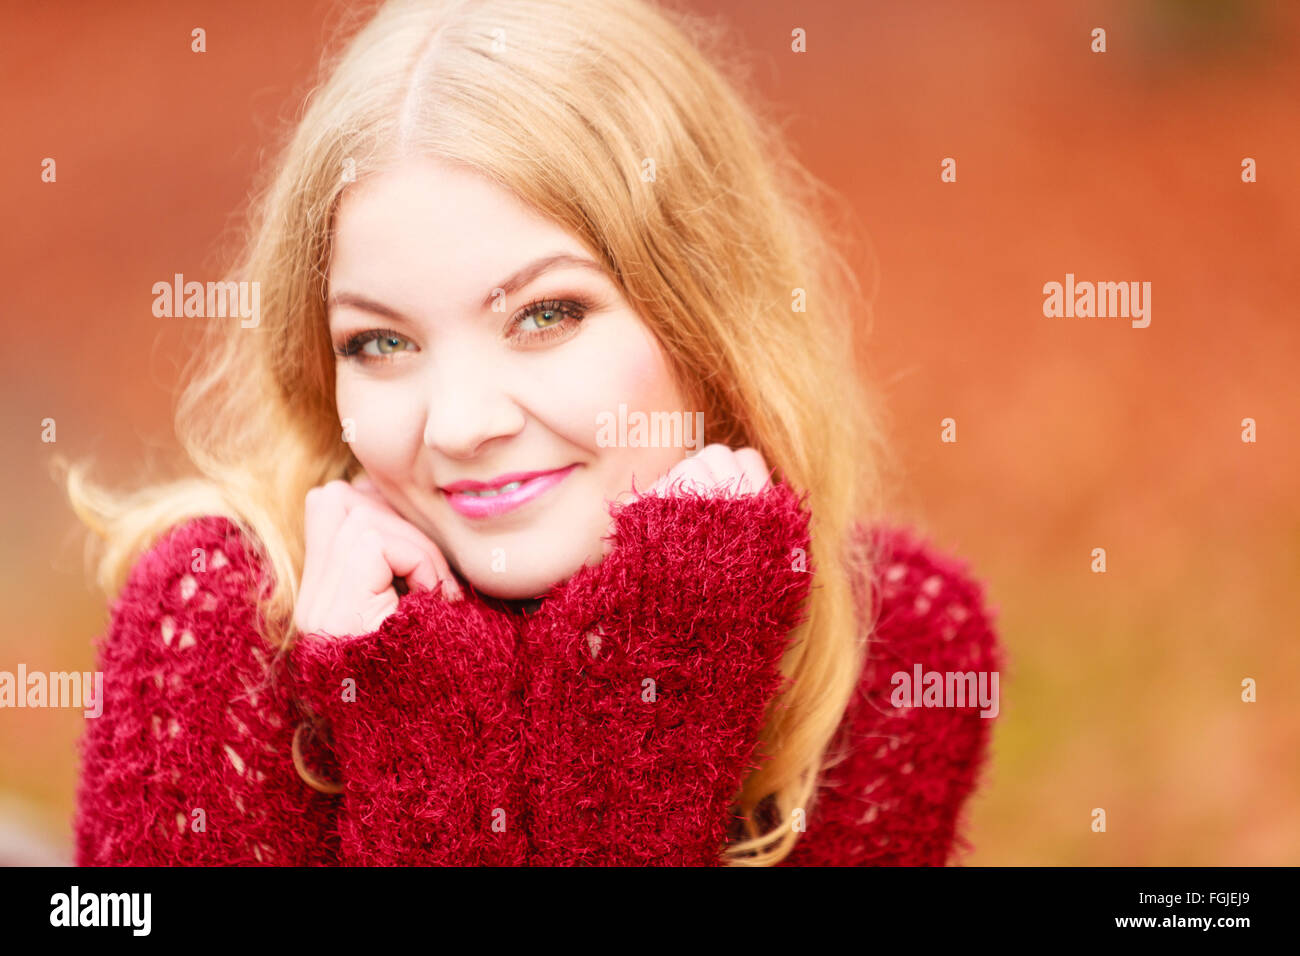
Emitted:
<point x="356" y="545"/>
<point x="715" y="470"/>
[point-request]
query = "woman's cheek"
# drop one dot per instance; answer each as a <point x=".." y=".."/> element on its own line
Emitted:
<point x="619" y="365"/>
<point x="637" y="373"/>
<point x="380" y="425"/>
<point x="568" y="397"/>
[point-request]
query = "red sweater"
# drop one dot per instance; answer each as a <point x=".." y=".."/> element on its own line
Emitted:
<point x="613" y="725"/>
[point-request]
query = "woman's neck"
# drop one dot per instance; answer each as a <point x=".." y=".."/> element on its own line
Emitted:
<point x="518" y="606"/>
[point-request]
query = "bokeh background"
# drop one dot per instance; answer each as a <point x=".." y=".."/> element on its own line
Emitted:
<point x="1123" y="689"/>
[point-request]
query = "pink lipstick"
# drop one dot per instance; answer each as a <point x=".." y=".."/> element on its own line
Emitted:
<point x="504" y="493"/>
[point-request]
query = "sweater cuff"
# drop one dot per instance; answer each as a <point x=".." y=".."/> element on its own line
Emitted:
<point x="424" y="717"/>
<point x="649" y="676"/>
<point x="423" y="656"/>
<point x="690" y="558"/>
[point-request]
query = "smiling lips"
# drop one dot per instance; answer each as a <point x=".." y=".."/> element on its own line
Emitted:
<point x="480" y="499"/>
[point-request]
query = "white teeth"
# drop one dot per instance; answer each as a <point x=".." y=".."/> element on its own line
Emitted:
<point x="491" y="492"/>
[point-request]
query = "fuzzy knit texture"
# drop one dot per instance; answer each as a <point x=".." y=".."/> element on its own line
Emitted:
<point x="613" y="725"/>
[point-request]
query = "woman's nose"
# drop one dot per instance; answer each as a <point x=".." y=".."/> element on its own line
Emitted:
<point x="468" y="405"/>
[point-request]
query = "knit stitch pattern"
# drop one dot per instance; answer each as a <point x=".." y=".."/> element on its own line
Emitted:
<point x="904" y="774"/>
<point x="427" y="733"/>
<point x="612" y="726"/>
<point x="649" y="673"/>
<point x="190" y="760"/>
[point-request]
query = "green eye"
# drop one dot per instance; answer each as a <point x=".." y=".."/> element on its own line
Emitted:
<point x="389" y="343"/>
<point x="544" y="318"/>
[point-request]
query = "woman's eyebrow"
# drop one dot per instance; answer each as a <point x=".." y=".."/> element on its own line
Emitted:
<point x="507" y="286"/>
<point x="536" y="268"/>
<point x="361" y="302"/>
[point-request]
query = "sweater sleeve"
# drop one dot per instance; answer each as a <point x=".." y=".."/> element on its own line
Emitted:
<point x="423" y="716"/>
<point x="189" y="761"/>
<point x="648" y="677"/>
<point x="902" y="774"/>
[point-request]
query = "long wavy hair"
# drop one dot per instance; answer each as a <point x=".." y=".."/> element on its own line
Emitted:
<point x="622" y="122"/>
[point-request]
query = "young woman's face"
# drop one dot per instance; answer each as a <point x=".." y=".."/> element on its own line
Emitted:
<point x="456" y="377"/>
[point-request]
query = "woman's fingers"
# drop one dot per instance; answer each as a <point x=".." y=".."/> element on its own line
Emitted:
<point x="692" y="474"/>
<point x="721" y="470"/>
<point x="721" y="463"/>
<point x="357" y="591"/>
<point x="364" y="495"/>
<point x="754" y="468"/>
<point x="355" y="546"/>
<point x="399" y="529"/>
<point x="365" y="485"/>
<point x="318" y="602"/>
<point x="414" y="564"/>
<point x="326" y="509"/>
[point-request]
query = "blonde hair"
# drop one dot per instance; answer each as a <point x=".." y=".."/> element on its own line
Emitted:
<point x="567" y="104"/>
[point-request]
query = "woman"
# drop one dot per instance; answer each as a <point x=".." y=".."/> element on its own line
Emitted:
<point x="460" y="582"/>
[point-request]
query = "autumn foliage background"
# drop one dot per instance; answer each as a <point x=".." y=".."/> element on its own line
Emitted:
<point x="1123" y="689"/>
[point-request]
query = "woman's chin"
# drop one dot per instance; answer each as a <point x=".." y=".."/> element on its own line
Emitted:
<point x="514" y="586"/>
<point x="524" y="568"/>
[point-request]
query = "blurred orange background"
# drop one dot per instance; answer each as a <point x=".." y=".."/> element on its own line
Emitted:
<point x="1123" y="689"/>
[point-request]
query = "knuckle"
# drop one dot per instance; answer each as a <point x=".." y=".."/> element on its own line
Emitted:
<point x="334" y="489"/>
<point x="356" y="522"/>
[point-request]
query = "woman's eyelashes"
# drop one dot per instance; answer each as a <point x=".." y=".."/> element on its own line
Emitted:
<point x="540" y="321"/>
<point x="544" y="319"/>
<point x="352" y="348"/>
